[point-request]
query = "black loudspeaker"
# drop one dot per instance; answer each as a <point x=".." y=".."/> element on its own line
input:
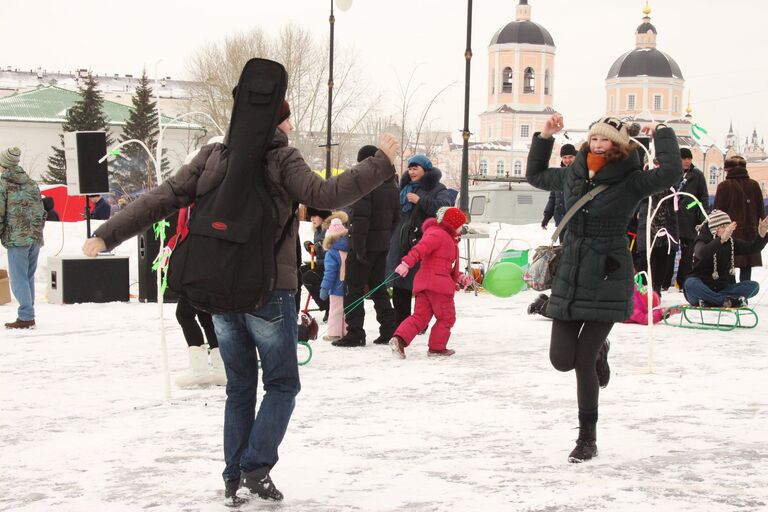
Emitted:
<point x="85" y="174"/>
<point x="83" y="279"/>
<point x="148" y="249"/>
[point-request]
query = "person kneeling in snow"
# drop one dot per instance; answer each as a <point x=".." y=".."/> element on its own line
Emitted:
<point x="435" y="283"/>
<point x="712" y="281"/>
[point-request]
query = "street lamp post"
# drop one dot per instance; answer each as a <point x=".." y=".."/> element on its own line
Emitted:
<point x="464" y="196"/>
<point x="343" y="5"/>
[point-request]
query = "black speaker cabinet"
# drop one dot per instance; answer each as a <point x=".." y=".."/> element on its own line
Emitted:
<point x="85" y="174"/>
<point x="148" y="249"/>
<point x="83" y="279"/>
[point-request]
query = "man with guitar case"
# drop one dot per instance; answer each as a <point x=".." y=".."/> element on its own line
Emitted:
<point x="239" y="259"/>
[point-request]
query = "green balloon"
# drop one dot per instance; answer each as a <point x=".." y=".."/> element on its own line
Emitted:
<point x="504" y="279"/>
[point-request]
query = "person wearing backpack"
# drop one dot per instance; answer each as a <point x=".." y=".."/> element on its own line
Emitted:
<point x="251" y="437"/>
<point x="421" y="195"/>
<point x="592" y="287"/>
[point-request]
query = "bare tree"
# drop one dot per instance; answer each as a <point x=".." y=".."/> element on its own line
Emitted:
<point x="217" y="66"/>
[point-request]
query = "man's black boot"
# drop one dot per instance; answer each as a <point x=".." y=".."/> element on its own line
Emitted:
<point x="259" y="483"/>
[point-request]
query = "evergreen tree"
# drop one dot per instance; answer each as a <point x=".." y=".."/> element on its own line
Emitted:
<point x="134" y="171"/>
<point x="87" y="114"/>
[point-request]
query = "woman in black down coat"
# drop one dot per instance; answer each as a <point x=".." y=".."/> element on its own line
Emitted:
<point x="421" y="195"/>
<point x="594" y="282"/>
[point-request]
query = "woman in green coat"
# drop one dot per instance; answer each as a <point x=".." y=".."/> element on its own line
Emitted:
<point x="594" y="282"/>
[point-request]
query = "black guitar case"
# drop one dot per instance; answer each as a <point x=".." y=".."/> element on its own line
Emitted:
<point x="227" y="262"/>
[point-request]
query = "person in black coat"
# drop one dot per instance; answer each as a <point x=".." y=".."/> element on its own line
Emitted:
<point x="664" y="249"/>
<point x="712" y="281"/>
<point x="594" y="282"/>
<point x="421" y="195"/>
<point x="372" y="220"/>
<point x="695" y="183"/>
<point x="50" y="213"/>
<point x="555" y="207"/>
<point x="100" y="209"/>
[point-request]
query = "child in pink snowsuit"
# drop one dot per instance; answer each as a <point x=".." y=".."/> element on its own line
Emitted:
<point x="435" y="283"/>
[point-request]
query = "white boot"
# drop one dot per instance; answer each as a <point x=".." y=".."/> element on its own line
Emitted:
<point x="217" y="376"/>
<point x="197" y="375"/>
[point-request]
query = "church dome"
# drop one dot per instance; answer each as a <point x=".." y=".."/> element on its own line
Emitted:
<point x="523" y="32"/>
<point x="645" y="62"/>
<point x="643" y="28"/>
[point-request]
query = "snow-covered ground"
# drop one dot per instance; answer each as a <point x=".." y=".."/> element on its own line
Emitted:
<point x="84" y="425"/>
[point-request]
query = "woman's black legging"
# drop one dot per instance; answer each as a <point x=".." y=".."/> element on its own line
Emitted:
<point x="574" y="345"/>
<point x="185" y="314"/>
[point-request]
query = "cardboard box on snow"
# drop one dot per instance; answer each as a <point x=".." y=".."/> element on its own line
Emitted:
<point x="5" y="287"/>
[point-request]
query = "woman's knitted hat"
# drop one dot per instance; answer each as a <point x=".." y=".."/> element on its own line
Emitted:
<point x="610" y="128"/>
<point x="452" y="216"/>
<point x="10" y="157"/>
<point x="716" y="219"/>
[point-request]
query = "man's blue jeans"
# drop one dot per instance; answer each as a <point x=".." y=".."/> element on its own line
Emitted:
<point x="22" y="264"/>
<point x="696" y="290"/>
<point x="272" y="330"/>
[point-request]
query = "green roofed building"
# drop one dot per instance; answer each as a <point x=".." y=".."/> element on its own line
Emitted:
<point x="32" y="121"/>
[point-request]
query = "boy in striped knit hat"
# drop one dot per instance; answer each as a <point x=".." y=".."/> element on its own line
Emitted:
<point x="713" y="281"/>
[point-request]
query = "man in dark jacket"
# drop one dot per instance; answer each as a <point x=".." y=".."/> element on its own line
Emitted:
<point x="695" y="183"/>
<point x="556" y="206"/>
<point x="712" y="281"/>
<point x="373" y="219"/>
<point x="251" y="439"/>
<point x="100" y="209"/>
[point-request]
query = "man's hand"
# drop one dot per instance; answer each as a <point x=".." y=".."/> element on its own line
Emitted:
<point x="466" y="280"/>
<point x="324" y="294"/>
<point x="389" y="145"/>
<point x="762" y="228"/>
<point x="553" y="125"/>
<point x="412" y="198"/>
<point x="544" y="227"/>
<point x="308" y="246"/>
<point x="93" y="246"/>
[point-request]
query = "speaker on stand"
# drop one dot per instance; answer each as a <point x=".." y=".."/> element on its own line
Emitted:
<point x="86" y="174"/>
<point x="148" y="248"/>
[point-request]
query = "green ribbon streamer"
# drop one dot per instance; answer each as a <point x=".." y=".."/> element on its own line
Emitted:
<point x="159" y="230"/>
<point x="693" y="204"/>
<point x="696" y="130"/>
<point x="115" y="152"/>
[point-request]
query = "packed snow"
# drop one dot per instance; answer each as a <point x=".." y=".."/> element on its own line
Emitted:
<point x="86" y="426"/>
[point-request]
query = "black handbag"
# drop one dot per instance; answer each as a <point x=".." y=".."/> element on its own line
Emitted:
<point x="546" y="258"/>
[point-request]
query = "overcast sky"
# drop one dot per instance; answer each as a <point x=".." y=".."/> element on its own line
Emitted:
<point x="719" y="45"/>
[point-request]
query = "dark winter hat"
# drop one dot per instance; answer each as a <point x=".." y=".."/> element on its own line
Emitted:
<point x="716" y="219"/>
<point x="451" y="216"/>
<point x="10" y="157"/>
<point x="421" y="160"/>
<point x="685" y="153"/>
<point x="366" y="151"/>
<point x="323" y="214"/>
<point x="567" y="150"/>
<point x="285" y="111"/>
<point x="610" y="128"/>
